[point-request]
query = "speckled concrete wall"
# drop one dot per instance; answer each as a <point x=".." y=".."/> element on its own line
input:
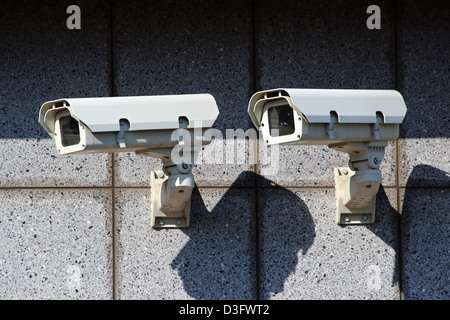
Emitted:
<point x="78" y="227"/>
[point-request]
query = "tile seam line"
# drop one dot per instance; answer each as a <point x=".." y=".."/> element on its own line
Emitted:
<point x="112" y="93"/>
<point x="397" y="86"/>
<point x="208" y="187"/>
<point x="113" y="231"/>
<point x="253" y="85"/>
<point x="43" y="188"/>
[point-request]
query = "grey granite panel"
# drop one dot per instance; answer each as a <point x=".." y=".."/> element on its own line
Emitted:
<point x="306" y="255"/>
<point x="423" y="67"/>
<point x="41" y="60"/>
<point x="322" y="44"/>
<point x="298" y="166"/>
<point x="222" y="163"/>
<point x="212" y="259"/>
<point x="425" y="162"/>
<point x="55" y="244"/>
<point x="425" y="243"/>
<point x="35" y="162"/>
<point x="189" y="47"/>
<point x="424" y="28"/>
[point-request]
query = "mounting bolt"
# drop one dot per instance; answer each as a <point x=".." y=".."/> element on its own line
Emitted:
<point x="179" y="222"/>
<point x="374" y="162"/>
<point x="345" y="171"/>
<point x="161" y="175"/>
<point x="161" y="222"/>
<point x="364" y="218"/>
<point x="346" y="219"/>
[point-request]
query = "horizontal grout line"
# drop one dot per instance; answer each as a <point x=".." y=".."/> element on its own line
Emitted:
<point x="57" y="188"/>
<point x="424" y="187"/>
<point x="206" y="187"/>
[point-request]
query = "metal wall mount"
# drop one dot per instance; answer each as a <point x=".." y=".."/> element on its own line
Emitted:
<point x="171" y="199"/>
<point x="357" y="185"/>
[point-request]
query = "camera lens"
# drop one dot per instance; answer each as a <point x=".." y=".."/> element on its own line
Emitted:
<point x="281" y="121"/>
<point x="70" y="131"/>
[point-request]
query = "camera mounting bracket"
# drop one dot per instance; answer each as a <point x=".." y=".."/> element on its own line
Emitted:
<point x="171" y="197"/>
<point x="171" y="190"/>
<point x="357" y="185"/>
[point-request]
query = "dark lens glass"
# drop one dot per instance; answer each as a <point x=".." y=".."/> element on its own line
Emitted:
<point x="70" y="131"/>
<point x="281" y="118"/>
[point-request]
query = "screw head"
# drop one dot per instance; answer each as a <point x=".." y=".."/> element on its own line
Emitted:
<point x="345" y="171"/>
<point x="346" y="219"/>
<point x="179" y="222"/>
<point x="364" y="218"/>
<point x="161" y="222"/>
<point x="161" y="175"/>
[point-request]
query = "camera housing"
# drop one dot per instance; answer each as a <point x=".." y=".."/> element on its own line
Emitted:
<point x="358" y="122"/>
<point x="117" y="124"/>
<point x="324" y="116"/>
<point x="157" y="126"/>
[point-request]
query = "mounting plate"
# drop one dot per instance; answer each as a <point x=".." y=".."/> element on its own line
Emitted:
<point x="353" y="215"/>
<point x="164" y="213"/>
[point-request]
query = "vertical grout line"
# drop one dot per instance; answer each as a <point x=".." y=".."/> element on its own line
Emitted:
<point x="399" y="220"/>
<point x="113" y="156"/>
<point x="114" y="240"/>
<point x="112" y="79"/>
<point x="255" y="148"/>
<point x="398" y="154"/>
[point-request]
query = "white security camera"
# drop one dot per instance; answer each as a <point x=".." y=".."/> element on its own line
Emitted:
<point x="167" y="127"/>
<point x="358" y="122"/>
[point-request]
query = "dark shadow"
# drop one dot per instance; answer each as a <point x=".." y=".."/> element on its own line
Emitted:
<point x="386" y="227"/>
<point x="61" y="63"/>
<point x="421" y="241"/>
<point x="55" y="62"/>
<point x="286" y="228"/>
<point x="222" y="257"/>
<point x="425" y="237"/>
